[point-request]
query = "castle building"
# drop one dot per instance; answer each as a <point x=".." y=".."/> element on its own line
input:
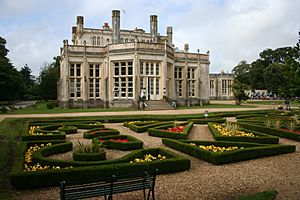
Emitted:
<point x="220" y="86"/>
<point x="112" y="67"/>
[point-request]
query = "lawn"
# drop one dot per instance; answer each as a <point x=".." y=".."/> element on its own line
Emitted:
<point x="275" y="102"/>
<point x="41" y="108"/>
<point x="216" y="106"/>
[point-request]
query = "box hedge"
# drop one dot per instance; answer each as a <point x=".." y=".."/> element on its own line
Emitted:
<point x="77" y="156"/>
<point x="96" y="132"/>
<point x="143" y="126"/>
<point x="132" y="143"/>
<point x="160" y="132"/>
<point x="261" y="137"/>
<point x="249" y="150"/>
<point x="271" y="131"/>
<point x="36" y="179"/>
<point x="205" y="121"/>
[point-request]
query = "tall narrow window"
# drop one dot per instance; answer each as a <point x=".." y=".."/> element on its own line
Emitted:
<point x="95" y="77"/>
<point x="78" y="87"/>
<point x="78" y="70"/>
<point x="123" y="79"/>
<point x="98" y="41"/>
<point x="178" y="81"/>
<point x="94" y="41"/>
<point x="157" y="69"/>
<point x="72" y="68"/>
<point x="224" y="87"/>
<point x="157" y="86"/>
<point x="72" y="88"/>
<point x="211" y="86"/>
<point x="191" y="81"/>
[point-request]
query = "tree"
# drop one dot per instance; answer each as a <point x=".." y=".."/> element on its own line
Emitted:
<point x="11" y="87"/>
<point x="29" y="83"/>
<point x="48" y="79"/>
<point x="238" y="90"/>
<point x="241" y="73"/>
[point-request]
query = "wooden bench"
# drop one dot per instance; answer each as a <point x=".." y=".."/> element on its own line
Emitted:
<point x="107" y="187"/>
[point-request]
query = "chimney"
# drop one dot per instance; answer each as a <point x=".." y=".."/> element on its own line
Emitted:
<point x="153" y="28"/>
<point x="74" y="29"/>
<point x="186" y="47"/>
<point x="115" y="26"/>
<point x="79" y="25"/>
<point x="170" y="35"/>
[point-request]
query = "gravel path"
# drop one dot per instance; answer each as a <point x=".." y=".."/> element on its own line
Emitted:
<point x="205" y="180"/>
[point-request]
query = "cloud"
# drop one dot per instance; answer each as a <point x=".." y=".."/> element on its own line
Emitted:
<point x="233" y="30"/>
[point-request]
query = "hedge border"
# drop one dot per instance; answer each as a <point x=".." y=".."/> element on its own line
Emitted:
<point x="144" y="128"/>
<point x="157" y="132"/>
<point x="77" y="156"/>
<point x="132" y="144"/>
<point x="205" y="121"/>
<point x="36" y="179"/>
<point x="250" y="150"/>
<point x="271" y="131"/>
<point x="110" y="131"/>
<point x="262" y="138"/>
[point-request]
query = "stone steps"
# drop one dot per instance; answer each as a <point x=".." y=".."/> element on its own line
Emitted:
<point x="158" y="105"/>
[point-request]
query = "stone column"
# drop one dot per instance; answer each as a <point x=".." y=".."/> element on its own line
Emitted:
<point x="153" y="28"/>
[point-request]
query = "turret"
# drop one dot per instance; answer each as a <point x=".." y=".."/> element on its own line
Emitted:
<point x="186" y="48"/>
<point x="116" y="26"/>
<point x="153" y="28"/>
<point x="170" y="35"/>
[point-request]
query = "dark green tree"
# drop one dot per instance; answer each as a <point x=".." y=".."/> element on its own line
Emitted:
<point x="241" y="73"/>
<point x="48" y="79"/>
<point x="11" y="86"/>
<point x="238" y="90"/>
<point x="30" y="91"/>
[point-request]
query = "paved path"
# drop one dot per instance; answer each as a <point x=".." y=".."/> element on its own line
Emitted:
<point x="152" y="112"/>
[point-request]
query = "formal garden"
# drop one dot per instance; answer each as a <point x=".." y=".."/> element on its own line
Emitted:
<point x="229" y="154"/>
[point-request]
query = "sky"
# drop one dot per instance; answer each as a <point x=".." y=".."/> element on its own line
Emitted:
<point x="232" y="30"/>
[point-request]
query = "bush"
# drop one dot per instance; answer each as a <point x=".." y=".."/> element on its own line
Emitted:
<point x="249" y="150"/>
<point x="68" y="129"/>
<point x="3" y="109"/>
<point x="50" y="105"/>
<point x="205" y="121"/>
<point x="92" y="152"/>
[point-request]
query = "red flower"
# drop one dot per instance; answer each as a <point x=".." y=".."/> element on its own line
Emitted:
<point x="119" y="140"/>
<point x="101" y="140"/>
<point x="178" y="129"/>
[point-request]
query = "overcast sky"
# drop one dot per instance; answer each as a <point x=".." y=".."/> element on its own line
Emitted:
<point x="232" y="30"/>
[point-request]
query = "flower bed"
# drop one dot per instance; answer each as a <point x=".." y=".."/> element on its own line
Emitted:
<point x="120" y="142"/>
<point x="88" y="170"/>
<point x="35" y="133"/>
<point x="221" y="134"/>
<point x="100" y="132"/>
<point x="239" y="151"/>
<point x="271" y="131"/>
<point x="179" y="131"/>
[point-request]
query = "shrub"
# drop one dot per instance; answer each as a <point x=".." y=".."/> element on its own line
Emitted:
<point x="100" y="132"/>
<point x="142" y="126"/>
<point x="205" y="121"/>
<point x="68" y="129"/>
<point x="92" y="152"/>
<point x="3" y="109"/>
<point x="50" y="105"/>
<point x="246" y="151"/>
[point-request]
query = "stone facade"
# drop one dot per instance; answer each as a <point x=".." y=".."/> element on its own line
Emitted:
<point x="110" y="67"/>
<point x="220" y="86"/>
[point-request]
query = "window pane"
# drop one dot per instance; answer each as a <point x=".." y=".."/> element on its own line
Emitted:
<point x="130" y="70"/>
<point x="97" y="88"/>
<point x="141" y="69"/>
<point x="97" y="70"/>
<point x="72" y="70"/>
<point x="180" y="72"/>
<point x="157" y="86"/>
<point x="123" y="70"/>
<point x="72" y="90"/>
<point x="91" y="87"/>
<point x="78" y="87"/>
<point x="157" y="69"/>
<point x="78" y="70"/>
<point x="116" y="70"/>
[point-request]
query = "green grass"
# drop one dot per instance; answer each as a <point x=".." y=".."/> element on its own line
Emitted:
<point x="41" y="108"/>
<point x="9" y="130"/>
<point x="216" y="106"/>
<point x="270" y="102"/>
<point x="266" y="195"/>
